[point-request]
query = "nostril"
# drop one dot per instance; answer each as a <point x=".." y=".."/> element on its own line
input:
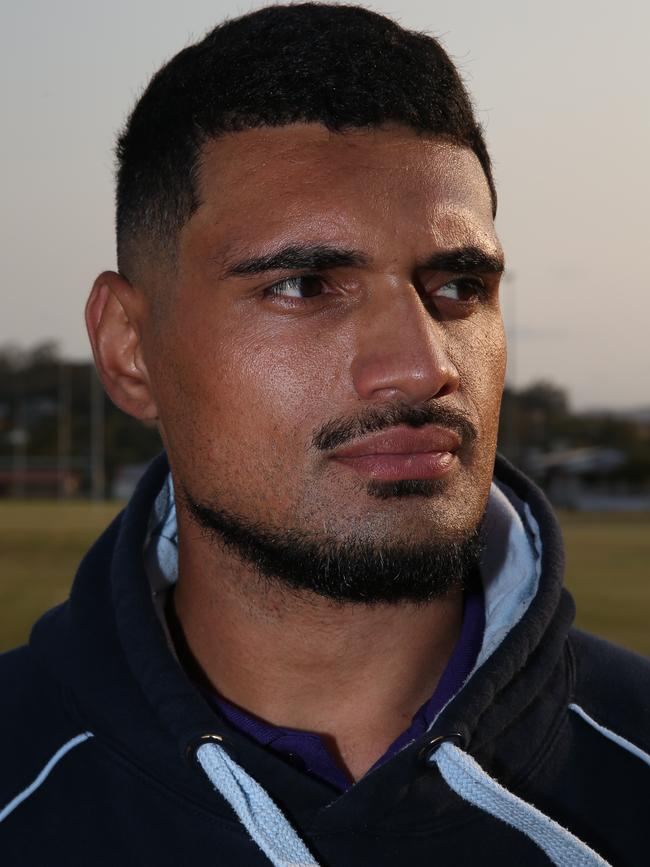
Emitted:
<point x="449" y="387"/>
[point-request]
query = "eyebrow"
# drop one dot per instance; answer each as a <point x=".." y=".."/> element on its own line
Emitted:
<point x="299" y="257"/>
<point x="320" y="257"/>
<point x="466" y="259"/>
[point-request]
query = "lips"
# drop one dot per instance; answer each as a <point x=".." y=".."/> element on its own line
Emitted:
<point x="402" y="441"/>
<point x="402" y="453"/>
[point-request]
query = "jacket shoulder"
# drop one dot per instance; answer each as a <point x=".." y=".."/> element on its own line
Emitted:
<point x="35" y="722"/>
<point x="612" y="685"/>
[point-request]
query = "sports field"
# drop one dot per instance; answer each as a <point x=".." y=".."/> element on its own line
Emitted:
<point x="42" y="542"/>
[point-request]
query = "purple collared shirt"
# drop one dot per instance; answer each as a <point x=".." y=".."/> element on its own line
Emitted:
<point x="307" y="750"/>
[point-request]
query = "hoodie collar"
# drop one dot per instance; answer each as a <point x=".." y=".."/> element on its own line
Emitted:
<point x="510" y="566"/>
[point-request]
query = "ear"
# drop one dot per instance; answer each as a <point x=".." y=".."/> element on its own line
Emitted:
<point x="115" y="315"/>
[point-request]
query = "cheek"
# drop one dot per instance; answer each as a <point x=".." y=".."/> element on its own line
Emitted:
<point x="248" y="410"/>
<point x="480" y="356"/>
<point x="232" y="391"/>
<point x="275" y="377"/>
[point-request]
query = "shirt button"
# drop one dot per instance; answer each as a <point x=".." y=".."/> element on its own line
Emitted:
<point x="296" y="761"/>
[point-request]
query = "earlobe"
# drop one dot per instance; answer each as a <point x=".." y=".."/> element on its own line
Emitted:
<point x="115" y="315"/>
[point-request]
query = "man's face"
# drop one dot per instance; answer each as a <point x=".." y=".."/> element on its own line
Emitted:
<point x="335" y="290"/>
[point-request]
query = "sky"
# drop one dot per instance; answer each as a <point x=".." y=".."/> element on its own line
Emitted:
<point x="560" y="87"/>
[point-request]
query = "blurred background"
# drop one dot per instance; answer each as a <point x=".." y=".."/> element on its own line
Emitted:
<point x="561" y="90"/>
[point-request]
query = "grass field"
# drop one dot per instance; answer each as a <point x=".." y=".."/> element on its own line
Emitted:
<point x="608" y="568"/>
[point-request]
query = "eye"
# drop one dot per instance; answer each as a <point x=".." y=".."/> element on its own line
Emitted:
<point x="462" y="290"/>
<point x="309" y="286"/>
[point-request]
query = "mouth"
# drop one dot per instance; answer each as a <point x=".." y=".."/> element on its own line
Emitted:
<point x="402" y="453"/>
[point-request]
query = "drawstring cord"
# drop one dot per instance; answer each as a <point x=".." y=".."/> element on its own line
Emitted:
<point x="471" y="783"/>
<point x="254" y="807"/>
<point x="275" y="836"/>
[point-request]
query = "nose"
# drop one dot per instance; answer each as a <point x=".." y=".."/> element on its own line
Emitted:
<point x="401" y="351"/>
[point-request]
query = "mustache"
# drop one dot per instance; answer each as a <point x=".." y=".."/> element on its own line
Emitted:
<point x="342" y="430"/>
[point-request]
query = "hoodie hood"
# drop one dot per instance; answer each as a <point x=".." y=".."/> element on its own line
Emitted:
<point x="108" y="650"/>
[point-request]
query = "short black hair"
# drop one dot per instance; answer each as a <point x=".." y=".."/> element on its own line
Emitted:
<point x="342" y="66"/>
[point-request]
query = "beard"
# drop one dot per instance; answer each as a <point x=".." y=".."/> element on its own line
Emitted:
<point x="347" y="570"/>
<point x="357" y="570"/>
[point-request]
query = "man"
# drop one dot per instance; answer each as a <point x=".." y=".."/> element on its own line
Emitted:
<point x="326" y="629"/>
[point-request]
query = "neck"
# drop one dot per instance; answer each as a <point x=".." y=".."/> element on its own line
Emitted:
<point x="355" y="674"/>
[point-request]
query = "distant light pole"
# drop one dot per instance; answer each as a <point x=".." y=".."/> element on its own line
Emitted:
<point x="64" y="433"/>
<point x="97" y="437"/>
<point x="18" y="438"/>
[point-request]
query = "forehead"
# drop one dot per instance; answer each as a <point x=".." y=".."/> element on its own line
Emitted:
<point x="373" y="187"/>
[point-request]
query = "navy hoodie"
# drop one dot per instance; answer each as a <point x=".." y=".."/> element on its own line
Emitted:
<point x="110" y="755"/>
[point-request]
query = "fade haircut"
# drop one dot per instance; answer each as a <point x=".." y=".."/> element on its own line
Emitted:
<point x="341" y="66"/>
